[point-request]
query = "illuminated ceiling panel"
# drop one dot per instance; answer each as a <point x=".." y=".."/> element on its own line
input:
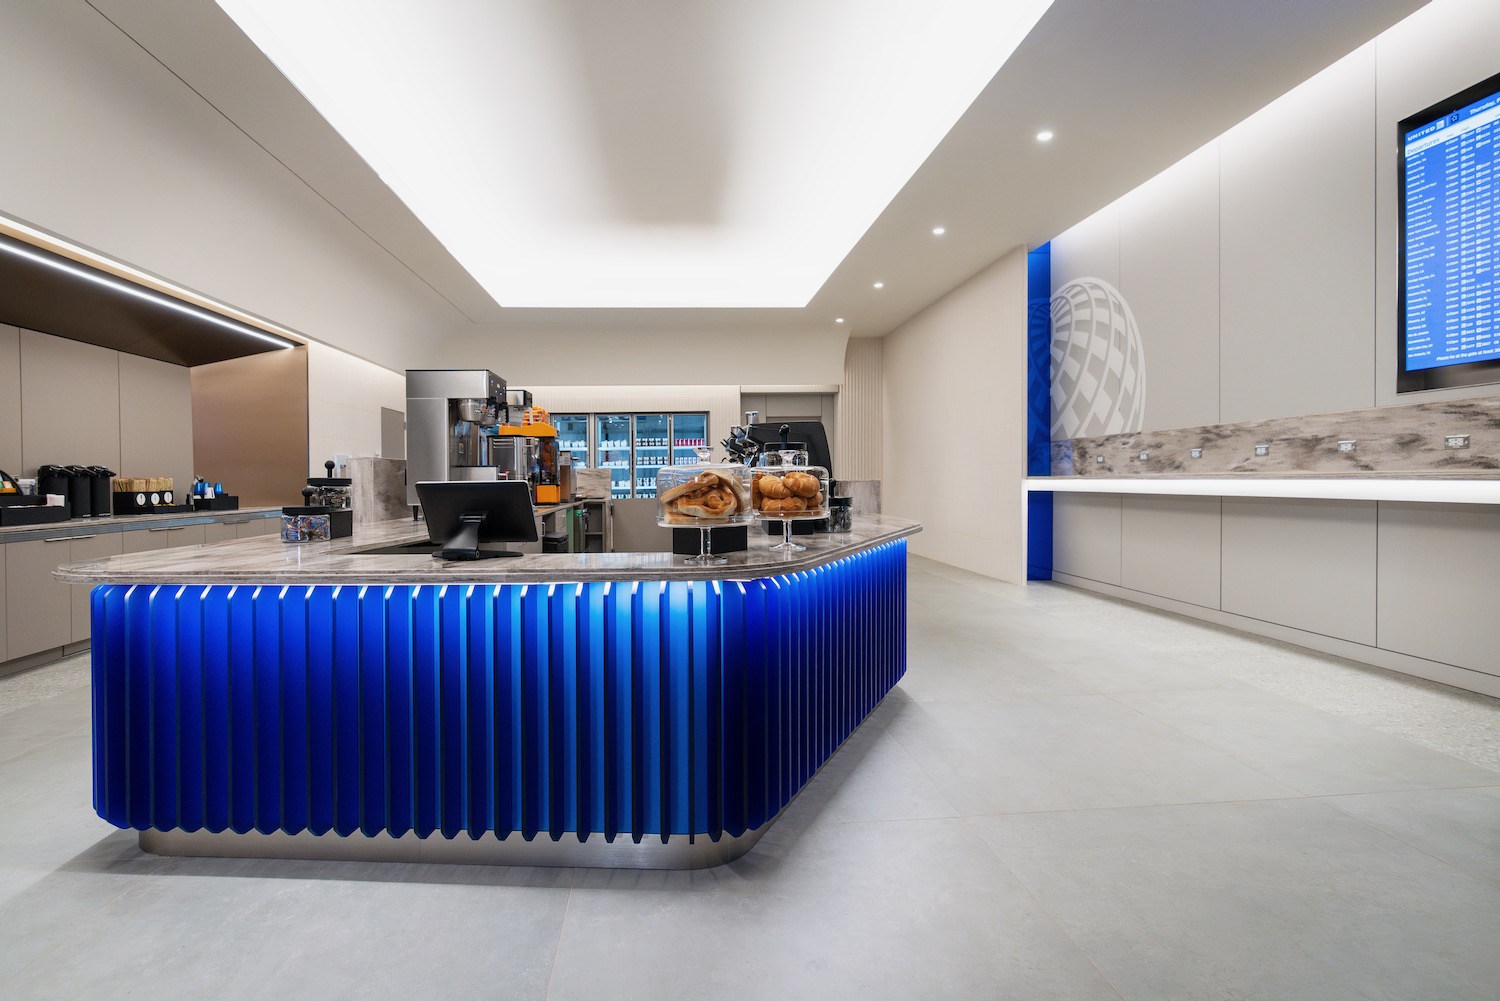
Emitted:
<point x="656" y="153"/>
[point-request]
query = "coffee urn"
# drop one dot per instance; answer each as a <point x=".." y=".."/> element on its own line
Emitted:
<point x="451" y="415"/>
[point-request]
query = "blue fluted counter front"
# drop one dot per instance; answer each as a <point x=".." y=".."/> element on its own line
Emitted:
<point x="640" y="722"/>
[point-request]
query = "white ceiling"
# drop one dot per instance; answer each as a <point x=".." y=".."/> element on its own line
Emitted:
<point x="652" y="153"/>
<point x="1128" y="86"/>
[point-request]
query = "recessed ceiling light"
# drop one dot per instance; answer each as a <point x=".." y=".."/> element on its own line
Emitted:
<point x="938" y="231"/>
<point x="880" y="284"/>
<point x="1044" y="136"/>
<point x="838" y="319"/>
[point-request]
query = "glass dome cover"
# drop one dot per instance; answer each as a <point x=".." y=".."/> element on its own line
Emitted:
<point x="789" y="491"/>
<point x="702" y="494"/>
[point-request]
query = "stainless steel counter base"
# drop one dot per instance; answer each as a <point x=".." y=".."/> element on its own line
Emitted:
<point x="681" y="852"/>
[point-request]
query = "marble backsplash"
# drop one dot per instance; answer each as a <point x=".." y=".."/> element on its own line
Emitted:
<point x="1406" y="440"/>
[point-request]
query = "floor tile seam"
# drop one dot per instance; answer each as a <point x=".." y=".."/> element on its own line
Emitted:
<point x="562" y="924"/>
<point x="868" y="821"/>
<point x="1052" y="917"/>
<point x="1405" y="737"/>
<point x="1402" y="792"/>
<point x="1432" y="746"/>
<point x="1301" y="792"/>
<point x="1115" y="808"/>
<point x="75" y="929"/>
<point x="896" y="739"/>
<point x="1493" y="885"/>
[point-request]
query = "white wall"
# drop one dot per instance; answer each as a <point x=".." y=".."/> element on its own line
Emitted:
<point x="107" y="148"/>
<point x="954" y="428"/>
<point x="670" y="354"/>
<point x="1261" y="269"/>
<point x="1261" y="272"/>
<point x="344" y="397"/>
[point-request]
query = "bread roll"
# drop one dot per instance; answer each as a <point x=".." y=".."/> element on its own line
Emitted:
<point x="772" y="486"/>
<point x="802" y="484"/>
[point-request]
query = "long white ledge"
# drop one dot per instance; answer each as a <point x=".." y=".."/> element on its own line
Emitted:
<point x="1428" y="491"/>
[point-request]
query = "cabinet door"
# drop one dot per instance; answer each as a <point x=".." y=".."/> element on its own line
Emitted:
<point x="2" y="601"/>
<point x="145" y="541"/>
<point x="186" y="535"/>
<point x="260" y="526"/>
<point x="38" y="607"/>
<point x="221" y="531"/>
<point x="94" y="547"/>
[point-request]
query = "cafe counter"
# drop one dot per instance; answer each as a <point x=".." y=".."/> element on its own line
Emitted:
<point x="358" y="699"/>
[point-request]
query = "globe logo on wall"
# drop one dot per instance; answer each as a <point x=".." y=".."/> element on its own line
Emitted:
<point x="1098" y="364"/>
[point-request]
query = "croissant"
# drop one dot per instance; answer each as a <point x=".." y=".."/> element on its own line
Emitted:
<point x="772" y="486"/>
<point x="801" y="484"/>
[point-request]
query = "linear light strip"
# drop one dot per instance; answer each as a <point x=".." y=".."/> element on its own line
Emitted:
<point x="155" y="298"/>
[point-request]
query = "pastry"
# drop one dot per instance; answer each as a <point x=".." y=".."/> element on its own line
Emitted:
<point x="710" y="495"/>
<point x="701" y="481"/>
<point x="772" y="486"/>
<point x="802" y="484"/>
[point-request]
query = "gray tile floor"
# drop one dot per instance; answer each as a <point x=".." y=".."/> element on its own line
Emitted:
<point x="1068" y="797"/>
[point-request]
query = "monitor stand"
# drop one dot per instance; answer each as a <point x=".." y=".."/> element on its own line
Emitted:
<point x="465" y="544"/>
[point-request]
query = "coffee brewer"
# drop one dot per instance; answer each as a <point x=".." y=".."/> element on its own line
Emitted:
<point x="450" y="420"/>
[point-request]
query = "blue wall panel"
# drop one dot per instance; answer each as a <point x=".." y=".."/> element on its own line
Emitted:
<point x="557" y="710"/>
<point x="1039" y="410"/>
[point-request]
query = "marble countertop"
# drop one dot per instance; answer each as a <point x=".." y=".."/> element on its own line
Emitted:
<point x="268" y="560"/>
<point x="75" y="527"/>
<point x="1419" y="488"/>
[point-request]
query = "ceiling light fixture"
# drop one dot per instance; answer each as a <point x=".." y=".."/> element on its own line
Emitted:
<point x="938" y="230"/>
<point x="1044" y="136"/>
<point x="880" y="284"/>
<point x="838" y="319"/>
<point x="156" y="298"/>
<point x="488" y="120"/>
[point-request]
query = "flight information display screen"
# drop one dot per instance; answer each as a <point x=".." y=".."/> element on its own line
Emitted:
<point x="1450" y="232"/>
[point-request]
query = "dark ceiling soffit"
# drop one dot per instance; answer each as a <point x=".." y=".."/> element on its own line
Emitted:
<point x="64" y="303"/>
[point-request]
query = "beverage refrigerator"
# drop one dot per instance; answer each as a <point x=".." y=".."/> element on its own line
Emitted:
<point x="573" y="436"/>
<point x="634" y="446"/>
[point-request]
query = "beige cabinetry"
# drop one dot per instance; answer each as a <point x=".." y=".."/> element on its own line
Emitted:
<point x="238" y="528"/>
<point x="2" y="601"/>
<point x="89" y="547"/>
<point x="165" y="537"/>
<point x="38" y="607"/>
<point x="40" y="613"/>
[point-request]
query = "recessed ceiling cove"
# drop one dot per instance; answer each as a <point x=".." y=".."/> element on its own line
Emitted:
<point x="656" y="153"/>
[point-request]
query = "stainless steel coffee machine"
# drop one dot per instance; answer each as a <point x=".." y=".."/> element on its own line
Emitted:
<point x="450" y="420"/>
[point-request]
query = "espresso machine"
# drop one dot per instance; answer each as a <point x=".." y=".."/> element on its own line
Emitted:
<point x="451" y="416"/>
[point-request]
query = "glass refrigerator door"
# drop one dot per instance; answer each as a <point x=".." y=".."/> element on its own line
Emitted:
<point x="612" y="451"/>
<point x="573" y="436"/>
<point x="652" y="448"/>
<point x="688" y="430"/>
